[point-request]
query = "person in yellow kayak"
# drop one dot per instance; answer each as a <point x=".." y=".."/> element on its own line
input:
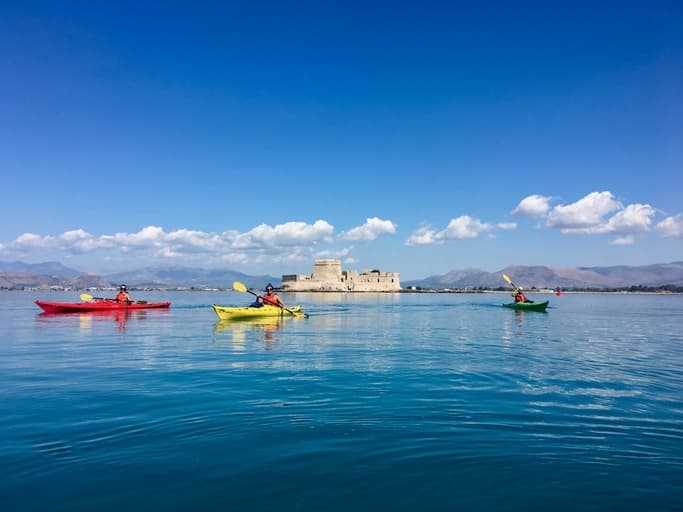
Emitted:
<point x="270" y="298"/>
<point x="123" y="295"/>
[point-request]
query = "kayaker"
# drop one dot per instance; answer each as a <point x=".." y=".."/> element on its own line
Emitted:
<point x="271" y="299"/>
<point x="123" y="295"/>
<point x="519" y="296"/>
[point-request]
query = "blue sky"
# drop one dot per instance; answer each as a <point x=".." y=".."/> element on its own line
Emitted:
<point x="411" y="137"/>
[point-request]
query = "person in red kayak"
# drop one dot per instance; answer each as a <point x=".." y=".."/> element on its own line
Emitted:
<point x="123" y="295"/>
<point x="271" y="299"/>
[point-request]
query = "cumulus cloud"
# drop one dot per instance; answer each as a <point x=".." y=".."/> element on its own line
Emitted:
<point x="294" y="240"/>
<point x="464" y="227"/>
<point x="532" y="206"/>
<point x="424" y="235"/>
<point x="671" y="227"/>
<point x="623" y="240"/>
<point x="289" y="234"/>
<point x="373" y="228"/>
<point x="458" y="228"/>
<point x="635" y="218"/>
<point x="600" y="213"/>
<point x="587" y="212"/>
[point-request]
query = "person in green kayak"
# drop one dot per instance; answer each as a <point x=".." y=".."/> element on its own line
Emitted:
<point x="123" y="295"/>
<point x="270" y="298"/>
<point x="519" y="296"/>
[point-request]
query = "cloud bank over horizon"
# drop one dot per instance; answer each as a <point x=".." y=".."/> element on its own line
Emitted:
<point x="597" y="213"/>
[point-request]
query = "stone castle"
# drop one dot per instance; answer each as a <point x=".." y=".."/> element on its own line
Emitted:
<point x="328" y="276"/>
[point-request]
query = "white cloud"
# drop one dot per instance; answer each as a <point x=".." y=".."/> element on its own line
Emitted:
<point x="463" y="227"/>
<point x="423" y="235"/>
<point x="585" y="213"/>
<point x="372" y="228"/>
<point x="77" y="241"/>
<point x="532" y="206"/>
<point x="623" y="240"/>
<point x="671" y="227"/>
<point x="338" y="254"/>
<point x="29" y="241"/>
<point x="287" y="234"/>
<point x="635" y="218"/>
<point x="458" y="228"/>
<point x="507" y="226"/>
<point x="284" y="242"/>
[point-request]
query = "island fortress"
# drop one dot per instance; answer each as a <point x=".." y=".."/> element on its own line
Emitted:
<point x="328" y="276"/>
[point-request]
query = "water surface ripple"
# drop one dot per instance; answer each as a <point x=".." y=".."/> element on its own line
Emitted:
<point x="391" y="401"/>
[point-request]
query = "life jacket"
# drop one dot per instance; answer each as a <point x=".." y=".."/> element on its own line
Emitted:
<point x="122" y="297"/>
<point x="271" y="300"/>
<point x="520" y="297"/>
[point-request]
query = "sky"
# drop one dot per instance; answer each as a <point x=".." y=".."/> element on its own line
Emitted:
<point x="411" y="137"/>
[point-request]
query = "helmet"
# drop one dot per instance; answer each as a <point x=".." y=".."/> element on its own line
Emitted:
<point x="269" y="287"/>
<point x="520" y="288"/>
<point x="123" y="287"/>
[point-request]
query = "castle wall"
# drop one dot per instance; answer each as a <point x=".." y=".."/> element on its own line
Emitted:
<point x="328" y="276"/>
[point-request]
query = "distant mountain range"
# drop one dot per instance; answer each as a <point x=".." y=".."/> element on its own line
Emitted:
<point x="18" y="275"/>
<point x="189" y="277"/>
<point x="551" y="277"/>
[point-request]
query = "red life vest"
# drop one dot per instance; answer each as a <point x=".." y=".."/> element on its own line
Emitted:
<point x="122" y="297"/>
<point x="271" y="300"/>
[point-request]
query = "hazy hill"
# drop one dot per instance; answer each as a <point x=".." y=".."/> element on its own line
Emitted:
<point x="551" y="277"/>
<point x="21" y="280"/>
<point x="48" y="268"/>
<point x="189" y="277"/>
<point x="19" y="275"/>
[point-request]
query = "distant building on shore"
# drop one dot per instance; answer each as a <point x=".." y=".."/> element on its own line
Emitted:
<point x="328" y="276"/>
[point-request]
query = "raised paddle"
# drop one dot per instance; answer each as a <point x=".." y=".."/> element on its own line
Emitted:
<point x="239" y="287"/>
<point x="507" y="278"/>
<point x="86" y="297"/>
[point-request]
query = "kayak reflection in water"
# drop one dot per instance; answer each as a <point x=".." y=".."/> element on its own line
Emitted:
<point x="519" y="296"/>
<point x="123" y="295"/>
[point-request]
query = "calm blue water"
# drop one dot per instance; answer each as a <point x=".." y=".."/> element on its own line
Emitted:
<point x="393" y="402"/>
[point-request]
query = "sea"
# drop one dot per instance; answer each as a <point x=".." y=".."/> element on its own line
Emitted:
<point x="393" y="402"/>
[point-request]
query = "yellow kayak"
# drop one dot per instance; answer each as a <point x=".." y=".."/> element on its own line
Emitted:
<point x="241" y="313"/>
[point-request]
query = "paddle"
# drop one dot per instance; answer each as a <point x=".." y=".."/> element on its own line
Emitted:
<point x="239" y="287"/>
<point x="507" y="278"/>
<point x="86" y="297"/>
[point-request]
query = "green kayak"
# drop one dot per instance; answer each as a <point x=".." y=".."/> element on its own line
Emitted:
<point x="527" y="306"/>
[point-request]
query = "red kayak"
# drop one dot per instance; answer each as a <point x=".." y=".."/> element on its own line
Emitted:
<point x="98" y="305"/>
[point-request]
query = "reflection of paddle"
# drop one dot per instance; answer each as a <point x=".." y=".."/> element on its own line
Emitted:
<point x="239" y="287"/>
<point x="87" y="297"/>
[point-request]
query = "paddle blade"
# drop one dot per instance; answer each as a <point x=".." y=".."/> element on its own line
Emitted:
<point x="86" y="297"/>
<point x="239" y="287"/>
<point x="507" y="278"/>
